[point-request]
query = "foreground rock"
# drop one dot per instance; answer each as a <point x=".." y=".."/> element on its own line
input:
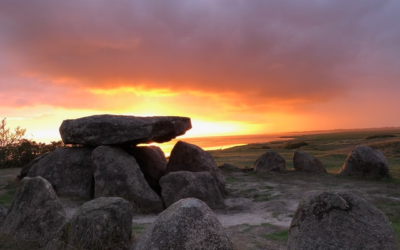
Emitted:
<point x="189" y="157"/>
<point x="69" y="170"/>
<point x="103" y="223"/>
<point x="339" y="220"/>
<point x="270" y="161"/>
<point x="117" y="174"/>
<point x="152" y="162"/>
<point x="118" y="129"/>
<point x="3" y="213"/>
<point x="185" y="184"/>
<point x="303" y="161"/>
<point x="35" y="213"/>
<point x="186" y="225"/>
<point x="366" y="162"/>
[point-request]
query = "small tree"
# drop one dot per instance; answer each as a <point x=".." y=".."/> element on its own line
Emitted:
<point x="9" y="138"/>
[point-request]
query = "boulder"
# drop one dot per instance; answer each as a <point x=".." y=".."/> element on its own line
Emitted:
<point x="188" y="157"/>
<point x="366" y="162"/>
<point x="69" y="170"/>
<point x="184" y="184"/>
<point x="3" y="213"/>
<point x="152" y="162"/>
<point x="339" y="220"/>
<point x="303" y="161"/>
<point x="270" y="161"/>
<point x="122" y="130"/>
<point x="117" y="174"/>
<point x="25" y="169"/>
<point x="103" y="223"/>
<point x="35" y="213"/>
<point x="188" y="224"/>
<point x="229" y="167"/>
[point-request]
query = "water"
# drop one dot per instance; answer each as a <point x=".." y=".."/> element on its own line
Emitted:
<point x="221" y="142"/>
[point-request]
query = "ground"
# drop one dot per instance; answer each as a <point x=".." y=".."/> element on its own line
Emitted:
<point x="260" y="206"/>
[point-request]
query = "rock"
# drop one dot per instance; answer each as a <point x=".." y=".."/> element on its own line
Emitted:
<point x="35" y="213"/>
<point x="69" y="170"/>
<point x="339" y="220"/>
<point x="188" y="224"/>
<point x="117" y="174"/>
<point x="184" y="184"/>
<point x="3" y="213"/>
<point x="152" y="162"/>
<point x="270" y="161"/>
<point x="303" y="161"/>
<point x="25" y="169"/>
<point x="366" y="162"/>
<point x="229" y="167"/>
<point x="118" y="129"/>
<point x="188" y="157"/>
<point x="103" y="223"/>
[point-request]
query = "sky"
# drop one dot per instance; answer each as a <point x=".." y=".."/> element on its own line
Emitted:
<point x="233" y="66"/>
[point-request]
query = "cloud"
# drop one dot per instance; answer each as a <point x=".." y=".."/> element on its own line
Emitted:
<point x="261" y="52"/>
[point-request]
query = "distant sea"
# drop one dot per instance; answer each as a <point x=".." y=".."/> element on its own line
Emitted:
<point x="223" y="142"/>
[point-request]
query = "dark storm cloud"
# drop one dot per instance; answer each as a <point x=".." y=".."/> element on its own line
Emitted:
<point x="308" y="50"/>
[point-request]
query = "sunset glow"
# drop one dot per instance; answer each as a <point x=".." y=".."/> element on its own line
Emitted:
<point x="235" y="67"/>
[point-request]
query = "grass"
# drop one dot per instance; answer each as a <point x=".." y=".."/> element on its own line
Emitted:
<point x="6" y="197"/>
<point x="278" y="236"/>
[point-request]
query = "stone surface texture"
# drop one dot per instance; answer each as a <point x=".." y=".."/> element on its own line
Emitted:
<point x="103" y="223"/>
<point x="118" y="129"/>
<point x="303" y="161"/>
<point x="152" y="162"/>
<point x="270" y="161"/>
<point x="35" y="213"/>
<point x="184" y="184"/>
<point x="188" y="157"/>
<point x="339" y="220"/>
<point x="366" y="162"/>
<point x="69" y="170"/>
<point x="188" y="224"/>
<point x="25" y="169"/>
<point x="117" y="174"/>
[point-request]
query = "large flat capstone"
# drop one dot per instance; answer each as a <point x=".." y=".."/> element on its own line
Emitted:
<point x="122" y="130"/>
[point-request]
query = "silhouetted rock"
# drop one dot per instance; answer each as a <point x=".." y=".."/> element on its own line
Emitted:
<point x="35" y="213"/>
<point x="118" y="129"/>
<point x="152" y="162"/>
<point x="270" y="161"/>
<point x="188" y="157"/>
<point x="366" y="162"/>
<point x="303" y="161"/>
<point x="339" y="220"/>
<point x="3" y="213"/>
<point x="229" y="167"/>
<point x="69" y="170"/>
<point x="103" y="223"/>
<point x="117" y="174"/>
<point x="184" y="184"/>
<point x="186" y="225"/>
<point x="25" y="169"/>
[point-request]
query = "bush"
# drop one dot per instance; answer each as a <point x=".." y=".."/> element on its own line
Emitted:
<point x="295" y="145"/>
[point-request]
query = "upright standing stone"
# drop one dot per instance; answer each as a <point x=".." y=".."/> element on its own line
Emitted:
<point x="35" y="213"/>
<point x="122" y="130"/>
<point x="270" y="161"/>
<point x="188" y="224"/>
<point x="366" y="162"/>
<point x="339" y="220"/>
<point x="69" y="170"/>
<point x="303" y="161"/>
<point x="188" y="157"/>
<point x="117" y="174"/>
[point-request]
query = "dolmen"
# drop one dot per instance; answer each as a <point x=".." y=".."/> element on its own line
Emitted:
<point x="103" y="159"/>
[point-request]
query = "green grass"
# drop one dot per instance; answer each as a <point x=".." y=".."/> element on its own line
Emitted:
<point x="278" y="236"/>
<point x="6" y="197"/>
